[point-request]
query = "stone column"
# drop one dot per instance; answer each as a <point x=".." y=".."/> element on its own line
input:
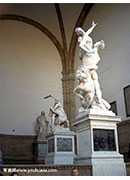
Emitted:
<point x="68" y="83"/>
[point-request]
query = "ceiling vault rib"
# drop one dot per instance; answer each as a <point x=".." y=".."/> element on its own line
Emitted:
<point x="61" y="26"/>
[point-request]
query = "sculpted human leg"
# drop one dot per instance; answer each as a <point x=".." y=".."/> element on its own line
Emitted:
<point x="96" y="86"/>
<point x="103" y="103"/>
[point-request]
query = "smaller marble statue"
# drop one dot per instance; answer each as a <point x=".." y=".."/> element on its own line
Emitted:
<point x="88" y="88"/>
<point x="41" y="126"/>
<point x="58" y="115"/>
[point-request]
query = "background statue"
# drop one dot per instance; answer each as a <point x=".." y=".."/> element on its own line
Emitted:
<point x="88" y="88"/>
<point x="41" y="126"/>
<point x="58" y="117"/>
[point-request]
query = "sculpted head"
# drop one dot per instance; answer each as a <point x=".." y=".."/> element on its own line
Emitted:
<point x="79" y="31"/>
<point x="84" y="37"/>
<point x="43" y="113"/>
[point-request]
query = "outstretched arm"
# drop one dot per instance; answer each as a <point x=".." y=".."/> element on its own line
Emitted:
<point x="91" y="28"/>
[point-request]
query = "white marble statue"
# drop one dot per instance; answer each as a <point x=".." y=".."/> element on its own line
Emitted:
<point x="58" y="117"/>
<point x="88" y="88"/>
<point x="41" y="127"/>
<point x="85" y="88"/>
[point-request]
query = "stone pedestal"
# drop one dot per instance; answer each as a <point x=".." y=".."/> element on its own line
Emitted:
<point x="61" y="147"/>
<point x="97" y="142"/>
<point x="40" y="151"/>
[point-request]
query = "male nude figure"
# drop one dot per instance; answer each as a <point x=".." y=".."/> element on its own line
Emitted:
<point x="90" y="58"/>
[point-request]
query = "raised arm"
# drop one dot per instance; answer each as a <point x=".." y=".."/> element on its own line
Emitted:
<point x="91" y="28"/>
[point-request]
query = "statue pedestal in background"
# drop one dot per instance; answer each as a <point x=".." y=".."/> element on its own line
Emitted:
<point x="97" y="142"/>
<point x="61" y="148"/>
<point x="40" y="151"/>
<point x="60" y="139"/>
<point x="40" y="146"/>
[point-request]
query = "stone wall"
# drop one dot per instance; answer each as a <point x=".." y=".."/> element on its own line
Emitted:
<point x="17" y="149"/>
<point x="124" y="139"/>
<point x="26" y="73"/>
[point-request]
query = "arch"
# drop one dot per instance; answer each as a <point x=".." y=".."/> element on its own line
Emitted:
<point x="39" y="26"/>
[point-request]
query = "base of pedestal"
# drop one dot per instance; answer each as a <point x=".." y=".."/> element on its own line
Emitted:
<point x="61" y="147"/>
<point x="97" y="141"/>
<point x="104" y="165"/>
<point x="60" y="159"/>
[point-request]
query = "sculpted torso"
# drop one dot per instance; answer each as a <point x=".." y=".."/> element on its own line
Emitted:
<point x="88" y="88"/>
